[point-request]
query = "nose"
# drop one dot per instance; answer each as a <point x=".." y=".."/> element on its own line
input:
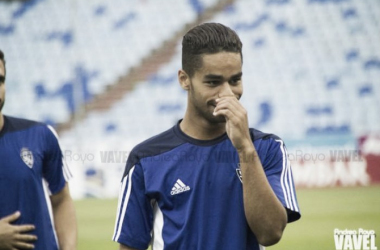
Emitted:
<point x="225" y="90"/>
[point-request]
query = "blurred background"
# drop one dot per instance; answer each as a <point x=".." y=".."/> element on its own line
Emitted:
<point x="104" y="74"/>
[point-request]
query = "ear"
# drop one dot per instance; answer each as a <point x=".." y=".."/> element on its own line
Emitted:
<point x="184" y="79"/>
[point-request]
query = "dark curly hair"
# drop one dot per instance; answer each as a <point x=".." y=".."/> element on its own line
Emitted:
<point x="207" y="38"/>
<point x="2" y="58"/>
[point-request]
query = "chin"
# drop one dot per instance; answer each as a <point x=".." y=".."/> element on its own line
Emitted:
<point x="217" y="119"/>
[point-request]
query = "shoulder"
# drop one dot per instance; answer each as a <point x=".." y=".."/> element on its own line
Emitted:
<point x="267" y="140"/>
<point x="35" y="128"/>
<point x="257" y="135"/>
<point x="155" y="145"/>
<point x="160" y="143"/>
<point x="267" y="145"/>
<point x="14" y="124"/>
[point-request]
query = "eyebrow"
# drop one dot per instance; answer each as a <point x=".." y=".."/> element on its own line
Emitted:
<point x="2" y="78"/>
<point x="212" y="76"/>
<point x="240" y="74"/>
<point x="219" y="77"/>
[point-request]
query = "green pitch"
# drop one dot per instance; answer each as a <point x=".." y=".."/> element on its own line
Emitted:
<point x="322" y="210"/>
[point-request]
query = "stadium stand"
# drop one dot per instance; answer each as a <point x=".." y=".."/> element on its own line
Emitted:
<point x="82" y="46"/>
<point x="311" y="72"/>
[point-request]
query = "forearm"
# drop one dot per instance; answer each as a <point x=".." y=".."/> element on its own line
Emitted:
<point x="265" y="214"/>
<point x="65" y="222"/>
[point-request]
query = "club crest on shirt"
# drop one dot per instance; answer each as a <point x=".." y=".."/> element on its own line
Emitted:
<point x="238" y="172"/>
<point x="27" y="157"/>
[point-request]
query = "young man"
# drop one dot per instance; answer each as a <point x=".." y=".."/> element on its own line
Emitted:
<point x="210" y="182"/>
<point x="31" y="169"/>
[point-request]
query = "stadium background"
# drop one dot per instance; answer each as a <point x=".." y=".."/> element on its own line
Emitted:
<point x="103" y="73"/>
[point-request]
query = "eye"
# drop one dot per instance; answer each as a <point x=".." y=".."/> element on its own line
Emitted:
<point x="212" y="83"/>
<point x="235" y="81"/>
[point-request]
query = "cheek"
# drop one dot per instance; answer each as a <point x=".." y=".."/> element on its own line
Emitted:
<point x="200" y="100"/>
<point x="207" y="98"/>
<point x="199" y="97"/>
<point x="238" y="90"/>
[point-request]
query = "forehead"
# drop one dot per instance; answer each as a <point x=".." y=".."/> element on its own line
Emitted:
<point x="221" y="63"/>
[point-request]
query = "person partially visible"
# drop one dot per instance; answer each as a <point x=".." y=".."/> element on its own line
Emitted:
<point x="36" y="209"/>
<point x="209" y="182"/>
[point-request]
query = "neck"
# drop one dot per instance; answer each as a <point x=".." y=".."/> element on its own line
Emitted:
<point x="201" y="129"/>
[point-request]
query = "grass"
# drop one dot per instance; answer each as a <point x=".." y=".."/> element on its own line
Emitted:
<point x="322" y="210"/>
<point x="96" y="219"/>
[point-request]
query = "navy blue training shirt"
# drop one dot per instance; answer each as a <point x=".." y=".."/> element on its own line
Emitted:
<point x="31" y="169"/>
<point x="181" y="193"/>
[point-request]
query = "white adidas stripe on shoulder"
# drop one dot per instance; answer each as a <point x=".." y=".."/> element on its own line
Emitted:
<point x="124" y="203"/>
<point x="121" y="192"/>
<point x="287" y="180"/>
<point x="66" y="170"/>
<point x="291" y="183"/>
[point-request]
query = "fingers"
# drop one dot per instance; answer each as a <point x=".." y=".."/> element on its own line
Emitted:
<point x="12" y="217"/>
<point x="24" y="228"/>
<point x="23" y="245"/>
<point x="14" y="235"/>
<point x="25" y="237"/>
<point x="24" y="241"/>
<point x="236" y="121"/>
<point x="18" y="228"/>
<point x="229" y="107"/>
<point x="228" y="102"/>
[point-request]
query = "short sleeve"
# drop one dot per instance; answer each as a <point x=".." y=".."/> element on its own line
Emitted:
<point x="55" y="170"/>
<point x="278" y="171"/>
<point x="134" y="217"/>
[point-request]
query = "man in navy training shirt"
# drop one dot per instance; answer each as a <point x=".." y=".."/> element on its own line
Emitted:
<point x="210" y="182"/>
<point x="36" y="209"/>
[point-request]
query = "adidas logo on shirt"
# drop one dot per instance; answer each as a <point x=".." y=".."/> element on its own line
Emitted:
<point x="179" y="187"/>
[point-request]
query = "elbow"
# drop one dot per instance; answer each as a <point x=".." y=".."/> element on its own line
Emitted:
<point x="270" y="238"/>
<point x="269" y="231"/>
<point x="271" y="235"/>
